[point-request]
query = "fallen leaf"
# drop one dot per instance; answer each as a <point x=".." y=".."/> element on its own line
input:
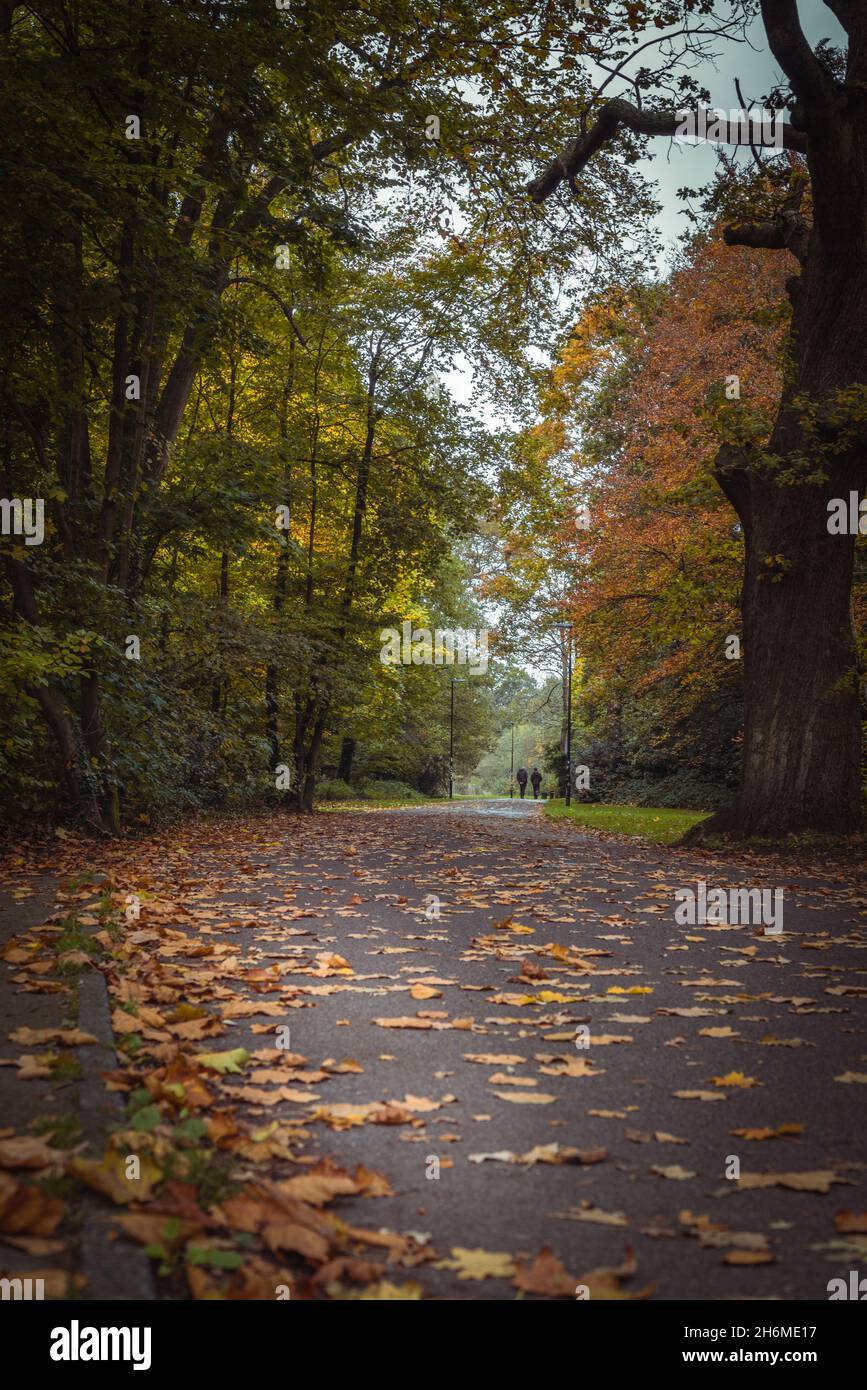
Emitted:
<point x="673" y="1170"/>
<point x="821" y="1180"/>
<point x="27" y="1210"/>
<point x="526" y="1097"/>
<point x="108" y="1176"/>
<point x="37" y="1037"/>
<point x="854" y="1221"/>
<point x="27" y="1152"/>
<point x="478" y="1264"/>
<point x="231" y="1061"/>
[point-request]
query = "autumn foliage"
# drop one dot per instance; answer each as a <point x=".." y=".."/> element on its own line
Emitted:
<point x="645" y="388"/>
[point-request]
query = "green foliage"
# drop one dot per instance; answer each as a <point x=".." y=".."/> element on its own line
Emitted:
<point x="249" y="305"/>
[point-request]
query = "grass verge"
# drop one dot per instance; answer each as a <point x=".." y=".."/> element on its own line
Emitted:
<point x="662" y="824"/>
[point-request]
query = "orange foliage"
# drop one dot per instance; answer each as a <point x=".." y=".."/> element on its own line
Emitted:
<point x="640" y="399"/>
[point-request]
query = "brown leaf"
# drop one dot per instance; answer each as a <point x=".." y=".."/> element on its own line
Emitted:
<point x="851" y="1222"/>
<point x="495" y="1059"/>
<point x="27" y="1210"/>
<point x="781" y="1132"/>
<point x="673" y="1170"/>
<point x="38" y="1037"/>
<point x="546" y="1276"/>
<point x="27" y="1152"/>
<point x="820" y="1180"/>
<point x="286" y="1235"/>
<point x="349" y="1267"/>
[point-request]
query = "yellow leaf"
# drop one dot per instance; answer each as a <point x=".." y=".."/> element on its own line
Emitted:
<point x="108" y="1175"/>
<point x="478" y="1264"/>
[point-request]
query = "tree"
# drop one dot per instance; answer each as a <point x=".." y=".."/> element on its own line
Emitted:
<point x="802" y="738"/>
<point x="161" y="157"/>
<point x="632" y="413"/>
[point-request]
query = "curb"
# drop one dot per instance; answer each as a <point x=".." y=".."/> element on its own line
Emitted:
<point x="115" y="1269"/>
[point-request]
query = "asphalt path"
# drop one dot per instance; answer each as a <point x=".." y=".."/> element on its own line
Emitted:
<point x="468" y="900"/>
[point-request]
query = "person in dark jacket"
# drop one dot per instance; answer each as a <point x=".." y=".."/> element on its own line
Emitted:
<point x="536" y="779"/>
<point x="521" y="775"/>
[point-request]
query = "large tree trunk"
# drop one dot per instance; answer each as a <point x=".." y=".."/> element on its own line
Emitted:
<point x="802" y="734"/>
<point x="802" y="727"/>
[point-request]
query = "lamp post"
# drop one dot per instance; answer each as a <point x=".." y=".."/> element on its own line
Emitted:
<point x="452" y="741"/>
<point x="566" y="630"/>
<point x="512" y="766"/>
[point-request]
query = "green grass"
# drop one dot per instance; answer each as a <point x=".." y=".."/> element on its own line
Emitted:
<point x="662" y="824"/>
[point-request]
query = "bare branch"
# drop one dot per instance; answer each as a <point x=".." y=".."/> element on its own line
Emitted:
<point x="616" y="113"/>
<point x="659" y="39"/>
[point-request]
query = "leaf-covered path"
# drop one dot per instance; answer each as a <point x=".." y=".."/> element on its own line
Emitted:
<point x="432" y="967"/>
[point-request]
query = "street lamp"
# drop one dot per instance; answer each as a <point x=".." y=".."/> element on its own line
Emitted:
<point x="452" y="741"/>
<point x="512" y="767"/>
<point x="566" y="630"/>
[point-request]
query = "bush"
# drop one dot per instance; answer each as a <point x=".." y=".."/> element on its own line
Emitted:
<point x="383" y="789"/>
<point x="335" y="789"/>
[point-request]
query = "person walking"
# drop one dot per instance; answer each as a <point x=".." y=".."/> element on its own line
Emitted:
<point x="521" y="776"/>
<point x="536" y="779"/>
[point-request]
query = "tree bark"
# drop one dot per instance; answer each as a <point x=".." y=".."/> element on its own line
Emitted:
<point x="802" y="718"/>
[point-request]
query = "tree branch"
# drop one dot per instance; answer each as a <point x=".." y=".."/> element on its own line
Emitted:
<point x="611" y="116"/>
<point x="787" y="232"/>
<point x="810" y="81"/>
<point x="266" y="289"/>
<point x="845" y="11"/>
